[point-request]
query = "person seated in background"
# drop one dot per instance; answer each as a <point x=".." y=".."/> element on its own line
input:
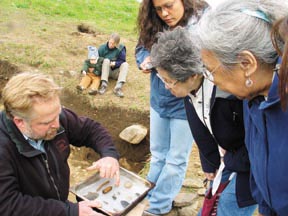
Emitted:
<point x="114" y="64"/>
<point x="91" y="71"/>
<point x="215" y="118"/>
<point x="35" y="136"/>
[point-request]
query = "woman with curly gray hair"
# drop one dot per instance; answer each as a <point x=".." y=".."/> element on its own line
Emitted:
<point x="235" y="43"/>
<point x="215" y="119"/>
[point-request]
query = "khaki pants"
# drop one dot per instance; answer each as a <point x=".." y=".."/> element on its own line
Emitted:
<point x="118" y="74"/>
<point x="90" y="79"/>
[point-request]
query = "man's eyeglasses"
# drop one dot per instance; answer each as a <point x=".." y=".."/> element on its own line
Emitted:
<point x="209" y="75"/>
<point x="168" y="84"/>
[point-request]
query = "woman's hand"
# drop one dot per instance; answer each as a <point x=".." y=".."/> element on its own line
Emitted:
<point x="210" y="176"/>
<point x="145" y="65"/>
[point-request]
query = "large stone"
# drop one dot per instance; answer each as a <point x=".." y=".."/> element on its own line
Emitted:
<point x="184" y="199"/>
<point x="193" y="183"/>
<point x="188" y="210"/>
<point x="134" y="134"/>
<point x="201" y="191"/>
<point x="173" y="212"/>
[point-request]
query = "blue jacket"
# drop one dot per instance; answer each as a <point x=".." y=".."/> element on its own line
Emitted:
<point x="161" y="99"/>
<point x="226" y="119"/>
<point x="267" y="144"/>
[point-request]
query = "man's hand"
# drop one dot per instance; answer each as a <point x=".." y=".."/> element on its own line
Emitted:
<point x="84" y="73"/>
<point x="144" y="64"/>
<point x="85" y="208"/>
<point x="112" y="64"/>
<point x="108" y="167"/>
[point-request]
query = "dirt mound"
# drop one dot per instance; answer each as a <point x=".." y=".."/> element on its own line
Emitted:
<point x="6" y="71"/>
<point x="85" y="29"/>
<point x="115" y="119"/>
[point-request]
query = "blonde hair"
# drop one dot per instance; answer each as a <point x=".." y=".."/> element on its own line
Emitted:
<point x="25" y="89"/>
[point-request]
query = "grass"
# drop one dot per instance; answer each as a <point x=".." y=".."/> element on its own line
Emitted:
<point x="106" y="14"/>
<point x="42" y="35"/>
<point x="27" y="54"/>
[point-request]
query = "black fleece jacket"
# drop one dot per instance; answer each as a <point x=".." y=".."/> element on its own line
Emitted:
<point x="37" y="183"/>
<point x="226" y="119"/>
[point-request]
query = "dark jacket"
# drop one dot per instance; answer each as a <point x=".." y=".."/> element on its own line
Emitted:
<point x="267" y="144"/>
<point x="37" y="183"/>
<point x="117" y="54"/>
<point x="97" y="67"/>
<point x="226" y="119"/>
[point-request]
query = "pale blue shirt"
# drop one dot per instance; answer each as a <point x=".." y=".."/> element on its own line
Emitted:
<point x="39" y="145"/>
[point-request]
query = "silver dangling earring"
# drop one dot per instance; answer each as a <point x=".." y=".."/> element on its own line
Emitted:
<point x="248" y="82"/>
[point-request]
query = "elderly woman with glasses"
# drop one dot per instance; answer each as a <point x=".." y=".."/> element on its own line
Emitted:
<point x="170" y="137"/>
<point x="235" y="38"/>
<point x="215" y="118"/>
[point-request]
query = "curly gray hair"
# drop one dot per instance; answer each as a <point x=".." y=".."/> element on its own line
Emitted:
<point x="175" y="53"/>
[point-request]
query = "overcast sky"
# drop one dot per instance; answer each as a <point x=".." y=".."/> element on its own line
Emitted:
<point x="213" y="3"/>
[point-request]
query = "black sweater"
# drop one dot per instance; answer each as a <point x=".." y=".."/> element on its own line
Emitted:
<point x="226" y="119"/>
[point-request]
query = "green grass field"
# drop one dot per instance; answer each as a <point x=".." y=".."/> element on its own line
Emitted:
<point x="106" y="14"/>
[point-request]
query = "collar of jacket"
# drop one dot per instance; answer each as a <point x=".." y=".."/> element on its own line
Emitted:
<point x="216" y="93"/>
<point x="21" y="143"/>
<point x="273" y="95"/>
<point x="119" y="47"/>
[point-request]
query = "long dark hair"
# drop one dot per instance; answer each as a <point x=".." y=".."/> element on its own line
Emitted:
<point x="149" y="24"/>
<point x="279" y="36"/>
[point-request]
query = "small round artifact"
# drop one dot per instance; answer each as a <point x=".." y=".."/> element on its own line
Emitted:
<point x="128" y="184"/>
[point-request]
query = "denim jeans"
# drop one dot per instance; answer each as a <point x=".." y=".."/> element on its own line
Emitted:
<point x="227" y="204"/>
<point x="170" y="145"/>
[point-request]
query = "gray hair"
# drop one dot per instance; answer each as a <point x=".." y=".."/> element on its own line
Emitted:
<point x="229" y="29"/>
<point x="116" y="37"/>
<point x="175" y="53"/>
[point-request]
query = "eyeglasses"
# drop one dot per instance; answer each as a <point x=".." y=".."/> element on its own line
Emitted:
<point x="168" y="84"/>
<point x="209" y="75"/>
<point x="168" y="6"/>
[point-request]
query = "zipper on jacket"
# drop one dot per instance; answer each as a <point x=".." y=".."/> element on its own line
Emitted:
<point x="51" y="177"/>
<point x="209" y="116"/>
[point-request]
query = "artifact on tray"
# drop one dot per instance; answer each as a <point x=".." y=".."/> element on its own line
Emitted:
<point x="100" y="186"/>
<point x="115" y="201"/>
